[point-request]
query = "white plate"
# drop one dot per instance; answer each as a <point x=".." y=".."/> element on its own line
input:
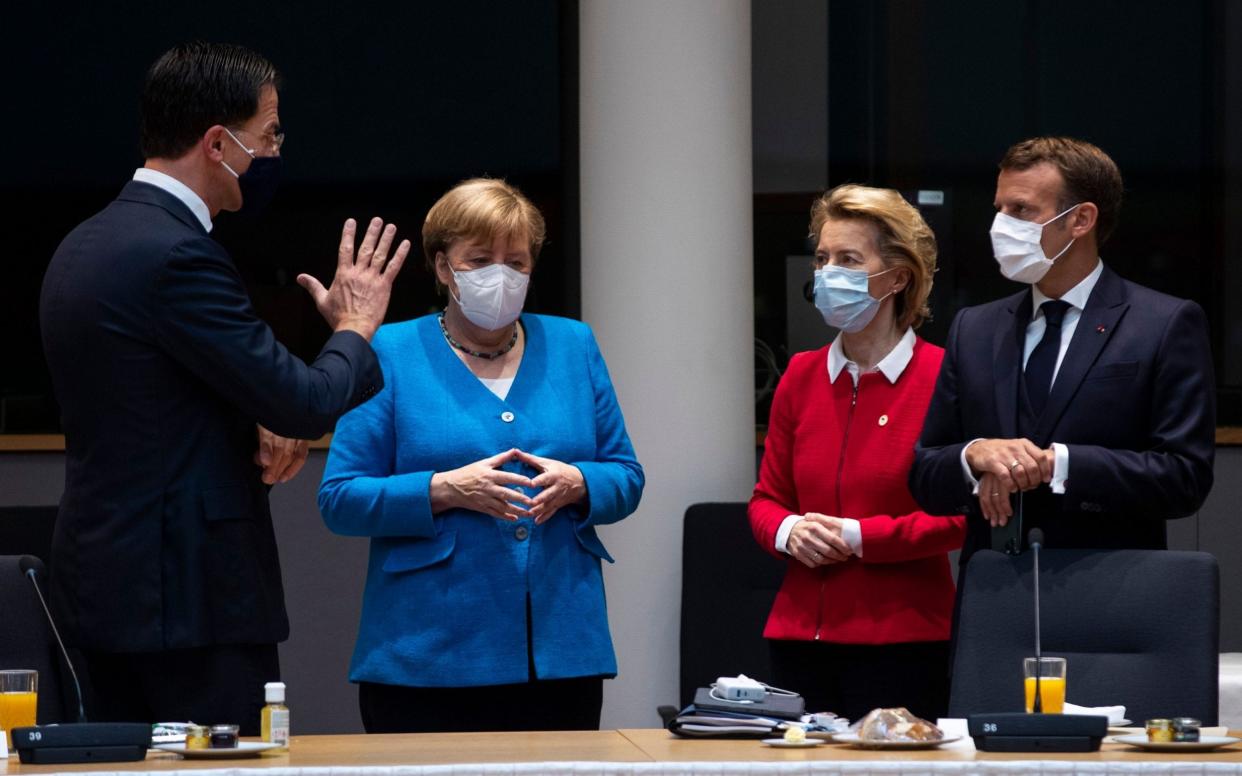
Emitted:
<point x="852" y="739"/>
<point x="781" y="743"/>
<point x="1204" y="744"/>
<point x="244" y="749"/>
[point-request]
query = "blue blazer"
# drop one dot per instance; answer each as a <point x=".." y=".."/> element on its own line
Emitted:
<point x="446" y="595"/>
<point x="1134" y="402"/>
<point x="164" y="538"/>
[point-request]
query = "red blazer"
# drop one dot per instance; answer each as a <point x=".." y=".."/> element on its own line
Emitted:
<point x="832" y="451"/>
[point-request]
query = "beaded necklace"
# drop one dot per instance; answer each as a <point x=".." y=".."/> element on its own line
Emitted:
<point x="476" y="353"/>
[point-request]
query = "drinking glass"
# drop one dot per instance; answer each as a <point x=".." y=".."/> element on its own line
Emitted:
<point x="19" y="696"/>
<point x="1051" y="684"/>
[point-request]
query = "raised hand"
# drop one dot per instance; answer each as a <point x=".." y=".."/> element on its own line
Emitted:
<point x="483" y="487"/>
<point x="561" y="485"/>
<point x="358" y="297"/>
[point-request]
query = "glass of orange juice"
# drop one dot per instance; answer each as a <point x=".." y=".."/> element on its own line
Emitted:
<point x="1051" y="684"/>
<point x="19" y="696"/>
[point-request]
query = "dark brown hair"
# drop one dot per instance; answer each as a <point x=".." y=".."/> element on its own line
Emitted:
<point x="195" y="86"/>
<point x="1090" y="175"/>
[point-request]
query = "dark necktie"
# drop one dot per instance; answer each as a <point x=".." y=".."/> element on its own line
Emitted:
<point x="1043" y="360"/>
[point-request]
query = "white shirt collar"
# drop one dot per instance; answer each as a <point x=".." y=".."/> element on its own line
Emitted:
<point x="891" y="366"/>
<point x="179" y="190"/>
<point x="1076" y="296"/>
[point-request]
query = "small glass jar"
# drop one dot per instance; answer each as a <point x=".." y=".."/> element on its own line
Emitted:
<point x="1186" y="729"/>
<point x="197" y="737"/>
<point x="224" y="736"/>
<point x="1160" y="731"/>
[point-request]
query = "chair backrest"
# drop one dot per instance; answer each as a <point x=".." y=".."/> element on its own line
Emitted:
<point x="26" y="641"/>
<point x="27" y="531"/>
<point x="727" y="587"/>
<point x="1137" y="627"/>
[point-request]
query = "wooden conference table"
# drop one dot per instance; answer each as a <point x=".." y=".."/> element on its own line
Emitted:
<point x="640" y="752"/>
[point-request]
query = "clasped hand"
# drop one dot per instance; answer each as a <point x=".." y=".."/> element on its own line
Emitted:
<point x="281" y="458"/>
<point x="817" y="540"/>
<point x="1006" y="466"/>
<point x="484" y="487"/>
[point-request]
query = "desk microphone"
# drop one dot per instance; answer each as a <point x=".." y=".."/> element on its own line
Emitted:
<point x="1036" y="732"/>
<point x="31" y="567"/>
<point x="81" y="741"/>
<point x="1036" y="540"/>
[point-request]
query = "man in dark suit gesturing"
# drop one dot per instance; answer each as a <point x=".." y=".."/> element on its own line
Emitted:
<point x="178" y="403"/>
<point x="1090" y="395"/>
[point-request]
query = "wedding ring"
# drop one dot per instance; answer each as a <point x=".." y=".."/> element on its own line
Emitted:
<point x="996" y="493"/>
<point x="1014" y="465"/>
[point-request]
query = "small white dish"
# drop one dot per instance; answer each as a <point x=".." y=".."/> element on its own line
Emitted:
<point x="1204" y="744"/>
<point x="781" y="743"/>
<point x="852" y="739"/>
<point x="244" y="749"/>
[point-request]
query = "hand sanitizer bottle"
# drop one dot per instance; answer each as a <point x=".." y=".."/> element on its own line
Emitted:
<point x="275" y="720"/>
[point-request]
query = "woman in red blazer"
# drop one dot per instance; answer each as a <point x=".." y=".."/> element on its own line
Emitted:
<point x="862" y="619"/>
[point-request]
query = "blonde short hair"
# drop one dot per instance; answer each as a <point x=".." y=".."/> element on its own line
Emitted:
<point x="481" y="209"/>
<point x="903" y="238"/>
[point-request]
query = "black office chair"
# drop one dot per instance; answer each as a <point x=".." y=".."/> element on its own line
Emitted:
<point x="27" y="531"/>
<point x="1138" y="627"/>
<point x="727" y="587"/>
<point x="26" y="641"/>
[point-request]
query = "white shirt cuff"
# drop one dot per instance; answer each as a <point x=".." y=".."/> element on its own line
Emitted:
<point x="782" y="533"/>
<point x="1060" y="467"/>
<point x="970" y="476"/>
<point x="851" y="531"/>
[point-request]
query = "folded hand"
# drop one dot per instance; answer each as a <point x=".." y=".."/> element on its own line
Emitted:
<point x="817" y="540"/>
<point x="281" y="458"/>
<point x="561" y="484"/>
<point x="483" y="487"/>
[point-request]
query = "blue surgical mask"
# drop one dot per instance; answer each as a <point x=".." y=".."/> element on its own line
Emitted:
<point x="843" y="298"/>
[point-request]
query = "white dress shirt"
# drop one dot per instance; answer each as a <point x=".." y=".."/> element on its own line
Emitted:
<point x="179" y="190"/>
<point x="1077" y="298"/>
<point x="891" y="366"/>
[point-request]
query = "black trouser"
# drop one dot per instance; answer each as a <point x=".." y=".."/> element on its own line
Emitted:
<point x="208" y="685"/>
<point x="541" y="704"/>
<point x="853" y="679"/>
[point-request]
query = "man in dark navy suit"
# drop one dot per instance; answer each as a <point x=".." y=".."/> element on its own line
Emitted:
<point x="1090" y="396"/>
<point x="180" y="407"/>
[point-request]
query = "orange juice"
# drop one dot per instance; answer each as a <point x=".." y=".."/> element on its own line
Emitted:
<point x="17" y="709"/>
<point x="1051" y="694"/>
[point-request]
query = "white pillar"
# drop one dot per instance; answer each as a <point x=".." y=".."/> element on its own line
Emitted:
<point x="667" y="284"/>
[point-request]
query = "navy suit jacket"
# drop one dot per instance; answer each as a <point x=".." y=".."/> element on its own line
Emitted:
<point x="162" y="369"/>
<point x="1134" y="402"/>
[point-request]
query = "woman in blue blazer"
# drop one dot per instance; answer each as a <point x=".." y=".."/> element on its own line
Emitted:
<point x="480" y="472"/>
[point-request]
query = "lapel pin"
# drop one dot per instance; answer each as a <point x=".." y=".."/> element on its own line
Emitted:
<point x="1100" y="328"/>
<point x="883" y="420"/>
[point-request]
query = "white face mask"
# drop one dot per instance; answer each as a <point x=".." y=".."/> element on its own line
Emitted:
<point x="491" y="297"/>
<point x="1016" y="246"/>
